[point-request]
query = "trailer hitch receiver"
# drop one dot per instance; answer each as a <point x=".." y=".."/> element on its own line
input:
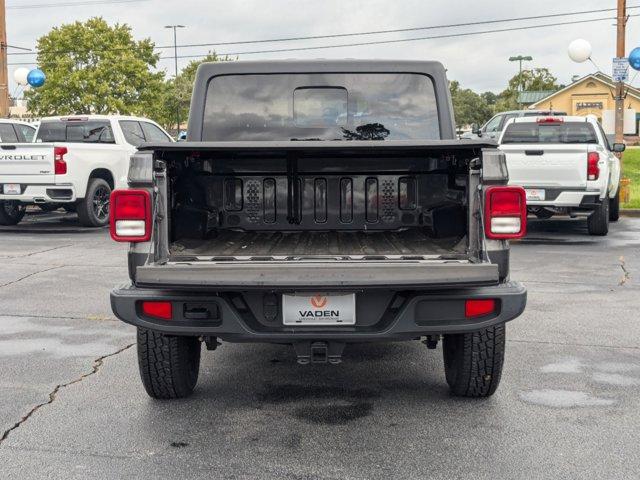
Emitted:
<point x="319" y="352"/>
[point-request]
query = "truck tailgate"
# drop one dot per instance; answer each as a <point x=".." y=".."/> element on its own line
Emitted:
<point x="547" y="165"/>
<point x="27" y="163"/>
<point x="305" y="275"/>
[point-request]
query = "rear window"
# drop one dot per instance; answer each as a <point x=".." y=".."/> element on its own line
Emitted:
<point x="332" y="106"/>
<point x="531" y="132"/>
<point x="94" y="131"/>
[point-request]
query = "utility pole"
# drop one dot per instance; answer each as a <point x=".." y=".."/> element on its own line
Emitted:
<point x="4" y="68"/>
<point x="175" y="58"/>
<point x="620" y="53"/>
<point x="521" y="59"/>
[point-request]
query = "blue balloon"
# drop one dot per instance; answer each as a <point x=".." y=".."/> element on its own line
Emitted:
<point x="634" y="58"/>
<point x="36" y="78"/>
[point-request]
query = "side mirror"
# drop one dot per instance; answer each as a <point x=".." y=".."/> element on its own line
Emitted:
<point x="618" y="147"/>
<point x="475" y="129"/>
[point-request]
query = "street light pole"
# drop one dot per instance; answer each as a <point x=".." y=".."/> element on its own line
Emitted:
<point x="520" y="59"/>
<point x="175" y="58"/>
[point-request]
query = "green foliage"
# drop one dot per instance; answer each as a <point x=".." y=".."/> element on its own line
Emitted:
<point x="468" y="106"/>
<point x="631" y="167"/>
<point x="177" y="92"/>
<point x="94" y="68"/>
<point x="530" y="80"/>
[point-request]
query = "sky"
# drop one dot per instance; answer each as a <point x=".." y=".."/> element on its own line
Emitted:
<point x="479" y="62"/>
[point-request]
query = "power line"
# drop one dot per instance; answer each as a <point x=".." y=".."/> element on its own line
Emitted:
<point x="352" y="34"/>
<point x="398" y="30"/>
<point x="71" y="4"/>
<point x="381" y="42"/>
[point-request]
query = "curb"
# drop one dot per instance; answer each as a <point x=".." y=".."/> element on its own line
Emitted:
<point x="630" y="212"/>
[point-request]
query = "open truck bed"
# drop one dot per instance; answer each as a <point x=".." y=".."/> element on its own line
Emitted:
<point x="305" y="200"/>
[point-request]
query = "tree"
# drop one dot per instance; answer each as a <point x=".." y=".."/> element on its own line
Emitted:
<point x="468" y="106"/>
<point x="489" y="97"/>
<point x="531" y="80"/>
<point x="178" y="91"/>
<point x="94" y="68"/>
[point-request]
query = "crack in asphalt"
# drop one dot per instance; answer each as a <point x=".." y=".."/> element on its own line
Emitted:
<point x="31" y="275"/>
<point x="37" y="253"/>
<point x="97" y="364"/>
<point x="626" y="273"/>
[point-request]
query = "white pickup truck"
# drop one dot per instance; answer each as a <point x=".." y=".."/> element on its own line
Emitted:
<point x="566" y="166"/>
<point x="76" y="162"/>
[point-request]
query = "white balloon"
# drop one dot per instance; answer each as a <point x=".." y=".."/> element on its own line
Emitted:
<point x="580" y="50"/>
<point x="20" y="76"/>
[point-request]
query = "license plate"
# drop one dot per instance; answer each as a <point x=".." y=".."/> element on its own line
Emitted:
<point x="319" y="309"/>
<point x="535" y="194"/>
<point x="11" y="189"/>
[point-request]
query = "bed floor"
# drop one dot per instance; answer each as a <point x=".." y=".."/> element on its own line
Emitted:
<point x="410" y="242"/>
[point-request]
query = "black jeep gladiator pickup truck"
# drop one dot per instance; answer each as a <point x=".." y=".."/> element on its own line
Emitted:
<point x="319" y="204"/>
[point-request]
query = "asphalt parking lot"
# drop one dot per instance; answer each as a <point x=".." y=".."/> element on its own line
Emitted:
<point x="72" y="406"/>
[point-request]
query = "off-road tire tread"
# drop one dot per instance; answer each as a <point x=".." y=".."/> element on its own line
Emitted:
<point x="164" y="364"/>
<point x="598" y="221"/>
<point x="476" y="361"/>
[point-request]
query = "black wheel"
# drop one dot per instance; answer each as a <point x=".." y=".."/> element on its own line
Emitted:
<point x="473" y="361"/>
<point x="11" y="212"/>
<point x="169" y="365"/>
<point x="48" y="207"/>
<point x="93" y="210"/>
<point x="598" y="221"/>
<point x="614" y="207"/>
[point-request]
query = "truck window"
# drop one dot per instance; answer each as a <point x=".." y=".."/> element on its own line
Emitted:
<point x="493" y="125"/>
<point x="154" y="134"/>
<point x="93" y="131"/>
<point x="132" y="131"/>
<point x="7" y="133"/>
<point x="531" y="132"/>
<point x="321" y="106"/>
<point x="26" y="131"/>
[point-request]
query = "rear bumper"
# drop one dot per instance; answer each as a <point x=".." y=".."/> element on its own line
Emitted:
<point x="402" y="315"/>
<point x="45" y="193"/>
<point x="567" y="198"/>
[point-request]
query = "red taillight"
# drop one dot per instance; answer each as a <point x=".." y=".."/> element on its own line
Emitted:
<point x="130" y="215"/>
<point x="593" y="170"/>
<point x="161" y="310"/>
<point x="505" y="213"/>
<point x="479" y="308"/>
<point x="59" y="165"/>
<point x="550" y="120"/>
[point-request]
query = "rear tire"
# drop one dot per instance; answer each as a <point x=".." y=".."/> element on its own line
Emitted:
<point x="473" y="361"/>
<point x="11" y="212"/>
<point x="598" y="221"/>
<point x="169" y="365"/>
<point x="614" y="207"/>
<point x="93" y="210"/>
